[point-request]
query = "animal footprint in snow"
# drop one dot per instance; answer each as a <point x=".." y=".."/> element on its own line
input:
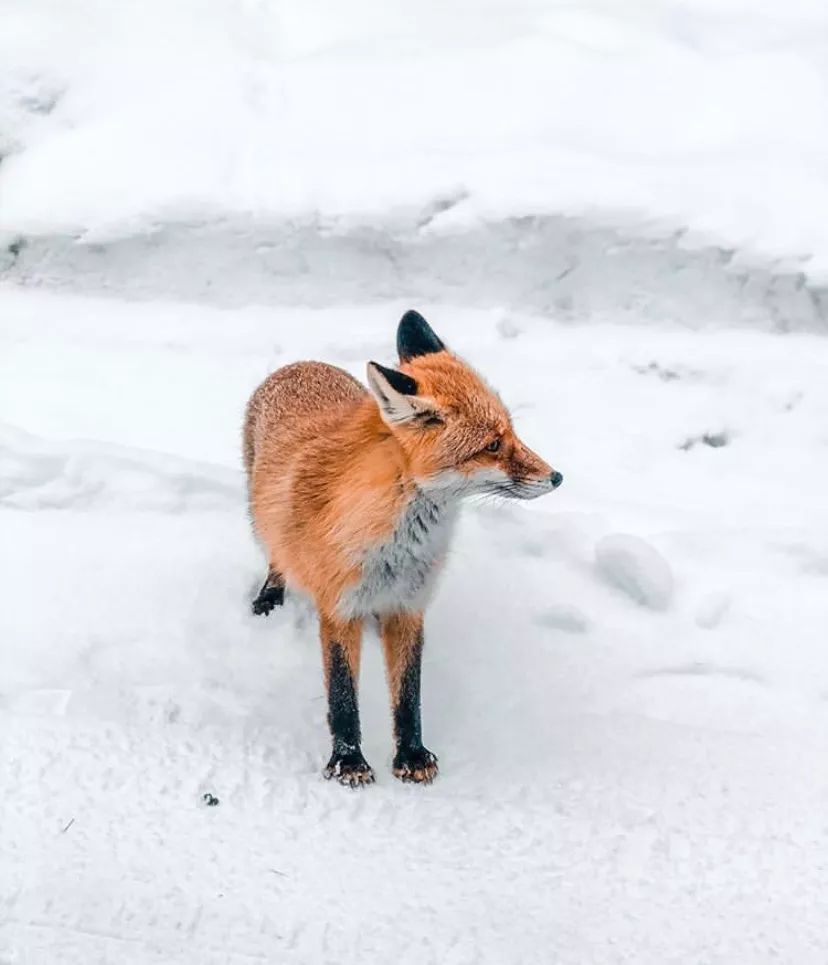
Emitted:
<point x="712" y="609"/>
<point x="506" y="328"/>
<point x="563" y="617"/>
<point x="636" y="568"/>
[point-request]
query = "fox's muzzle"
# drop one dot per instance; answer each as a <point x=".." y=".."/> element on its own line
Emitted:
<point x="523" y="488"/>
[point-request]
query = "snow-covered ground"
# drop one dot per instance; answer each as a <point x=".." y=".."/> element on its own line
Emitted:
<point x="626" y="682"/>
<point x="608" y="208"/>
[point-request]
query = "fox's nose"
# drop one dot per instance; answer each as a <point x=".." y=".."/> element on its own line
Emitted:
<point x="556" y="479"/>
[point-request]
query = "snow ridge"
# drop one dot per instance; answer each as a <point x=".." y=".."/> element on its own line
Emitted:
<point x="577" y="268"/>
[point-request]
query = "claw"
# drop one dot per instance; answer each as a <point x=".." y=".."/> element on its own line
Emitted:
<point x="349" y="773"/>
<point x="416" y="766"/>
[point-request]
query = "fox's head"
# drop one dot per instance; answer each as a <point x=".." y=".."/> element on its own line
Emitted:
<point x="455" y="431"/>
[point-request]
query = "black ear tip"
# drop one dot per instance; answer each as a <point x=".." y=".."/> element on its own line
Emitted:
<point x="403" y="383"/>
<point x="416" y="337"/>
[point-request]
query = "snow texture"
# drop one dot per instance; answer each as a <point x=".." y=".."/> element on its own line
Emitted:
<point x="626" y="682"/>
<point x="637" y="568"/>
<point x="618" y="783"/>
<point x="576" y="267"/>
<point x="660" y="159"/>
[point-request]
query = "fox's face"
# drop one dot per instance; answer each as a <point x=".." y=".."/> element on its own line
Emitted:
<point x="454" y="429"/>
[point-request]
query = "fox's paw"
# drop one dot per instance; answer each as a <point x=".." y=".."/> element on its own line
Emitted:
<point x="269" y="597"/>
<point x="415" y="765"/>
<point x="349" y="769"/>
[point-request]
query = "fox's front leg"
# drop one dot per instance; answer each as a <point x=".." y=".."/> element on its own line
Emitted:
<point x="341" y="646"/>
<point x="402" y="640"/>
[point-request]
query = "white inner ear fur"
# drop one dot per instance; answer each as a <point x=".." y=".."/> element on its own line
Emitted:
<point x="395" y="407"/>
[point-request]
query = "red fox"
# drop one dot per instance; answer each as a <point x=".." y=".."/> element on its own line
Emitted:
<point x="354" y="495"/>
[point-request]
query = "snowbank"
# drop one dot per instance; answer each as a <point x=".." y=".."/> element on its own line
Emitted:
<point x="120" y="118"/>
<point x="569" y="268"/>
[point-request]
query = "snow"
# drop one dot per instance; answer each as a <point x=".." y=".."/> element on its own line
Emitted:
<point x="681" y="115"/>
<point x="615" y="211"/>
<point x="618" y="782"/>
<point x="636" y="568"/>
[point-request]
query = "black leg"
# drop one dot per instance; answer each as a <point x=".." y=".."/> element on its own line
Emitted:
<point x="341" y="645"/>
<point x="271" y="594"/>
<point x="402" y="637"/>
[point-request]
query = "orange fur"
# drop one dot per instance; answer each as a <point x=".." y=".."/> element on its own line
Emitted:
<point x="400" y="633"/>
<point x="328" y="477"/>
<point x="348" y="634"/>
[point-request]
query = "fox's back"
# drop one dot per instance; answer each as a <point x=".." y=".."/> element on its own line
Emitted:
<point x="303" y="429"/>
<point x="294" y="403"/>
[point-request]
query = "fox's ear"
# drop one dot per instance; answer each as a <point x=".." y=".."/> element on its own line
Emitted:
<point x="397" y="396"/>
<point x="416" y="337"/>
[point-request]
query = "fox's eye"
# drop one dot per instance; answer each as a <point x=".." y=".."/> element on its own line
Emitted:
<point x="493" y="446"/>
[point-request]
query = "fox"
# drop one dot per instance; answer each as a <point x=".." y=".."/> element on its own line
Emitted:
<point x="353" y="495"/>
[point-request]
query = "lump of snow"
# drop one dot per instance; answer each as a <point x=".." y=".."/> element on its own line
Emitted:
<point x="506" y="328"/>
<point x="637" y="568"/>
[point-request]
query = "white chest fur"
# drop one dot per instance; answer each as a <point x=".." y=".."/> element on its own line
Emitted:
<point x="398" y="574"/>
